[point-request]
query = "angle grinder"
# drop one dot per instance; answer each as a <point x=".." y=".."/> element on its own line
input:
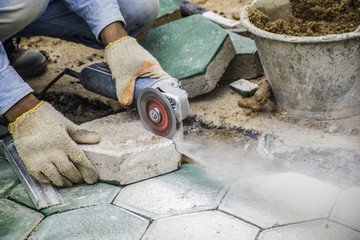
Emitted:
<point x="161" y="103"/>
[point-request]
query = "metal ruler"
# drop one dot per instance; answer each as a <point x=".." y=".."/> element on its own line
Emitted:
<point x="42" y="194"/>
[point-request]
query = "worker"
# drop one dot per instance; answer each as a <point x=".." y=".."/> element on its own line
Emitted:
<point x="45" y="140"/>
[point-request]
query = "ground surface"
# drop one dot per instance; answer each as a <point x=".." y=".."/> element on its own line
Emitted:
<point x="216" y="117"/>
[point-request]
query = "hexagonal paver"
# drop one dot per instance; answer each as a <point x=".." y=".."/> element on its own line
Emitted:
<point x="246" y="64"/>
<point x="315" y="230"/>
<point x="99" y="222"/>
<point x="280" y="199"/>
<point x="16" y="221"/>
<point x="347" y="208"/>
<point x="203" y="225"/>
<point x="168" y="7"/>
<point x="78" y="196"/>
<point x="192" y="49"/>
<point x="189" y="189"/>
<point x="127" y="152"/>
<point x="8" y="179"/>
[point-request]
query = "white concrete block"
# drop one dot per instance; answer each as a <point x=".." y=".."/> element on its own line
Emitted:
<point x="279" y="199"/>
<point x="317" y="230"/>
<point x="347" y="208"/>
<point x="127" y="152"/>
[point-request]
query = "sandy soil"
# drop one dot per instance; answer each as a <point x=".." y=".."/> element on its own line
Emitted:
<point x="230" y="8"/>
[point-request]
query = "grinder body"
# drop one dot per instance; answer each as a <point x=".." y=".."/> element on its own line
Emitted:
<point x="161" y="103"/>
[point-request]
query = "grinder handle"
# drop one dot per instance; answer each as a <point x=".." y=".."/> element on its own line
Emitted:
<point x="97" y="78"/>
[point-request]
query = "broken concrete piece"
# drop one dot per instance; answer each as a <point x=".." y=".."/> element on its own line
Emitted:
<point x="260" y="101"/>
<point x="194" y="50"/>
<point x="244" y="87"/>
<point x="246" y="64"/>
<point x="127" y="152"/>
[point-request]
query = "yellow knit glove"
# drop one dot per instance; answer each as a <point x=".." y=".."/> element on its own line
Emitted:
<point x="127" y="61"/>
<point x="45" y="142"/>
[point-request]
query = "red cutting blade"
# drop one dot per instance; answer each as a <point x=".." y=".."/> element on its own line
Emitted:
<point x="156" y="113"/>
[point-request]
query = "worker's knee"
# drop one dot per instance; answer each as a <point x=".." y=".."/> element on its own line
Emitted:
<point x="15" y="15"/>
<point x="139" y="14"/>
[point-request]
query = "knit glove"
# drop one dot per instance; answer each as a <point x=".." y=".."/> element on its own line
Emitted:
<point x="45" y="142"/>
<point x="127" y="61"/>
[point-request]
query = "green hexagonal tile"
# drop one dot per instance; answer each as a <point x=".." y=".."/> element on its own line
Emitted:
<point x="99" y="222"/>
<point x="77" y="196"/>
<point x="185" y="47"/>
<point x="167" y="7"/>
<point x="16" y="221"/>
<point x="189" y="189"/>
<point x="8" y="179"/>
<point x="202" y="225"/>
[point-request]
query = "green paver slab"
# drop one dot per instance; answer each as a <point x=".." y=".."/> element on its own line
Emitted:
<point x="279" y="199"/>
<point x="347" y="208"/>
<point x="317" y="230"/>
<point x="246" y="64"/>
<point x="16" y="221"/>
<point x="99" y="222"/>
<point x="204" y="225"/>
<point x="77" y="196"/>
<point x="8" y="179"/>
<point x="192" y="49"/>
<point x="167" y="7"/>
<point x="187" y="190"/>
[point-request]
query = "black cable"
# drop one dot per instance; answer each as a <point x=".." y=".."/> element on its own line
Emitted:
<point x="67" y="71"/>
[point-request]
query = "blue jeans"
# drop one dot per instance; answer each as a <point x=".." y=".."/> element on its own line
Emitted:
<point x="57" y="20"/>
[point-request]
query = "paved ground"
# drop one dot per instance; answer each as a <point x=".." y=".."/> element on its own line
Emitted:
<point x="191" y="203"/>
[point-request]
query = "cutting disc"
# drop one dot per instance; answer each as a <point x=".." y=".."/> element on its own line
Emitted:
<point x="156" y="112"/>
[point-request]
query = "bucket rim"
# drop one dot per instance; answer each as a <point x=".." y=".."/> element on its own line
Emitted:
<point x="245" y="22"/>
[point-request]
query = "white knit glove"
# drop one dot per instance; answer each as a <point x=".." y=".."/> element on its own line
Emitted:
<point x="127" y="61"/>
<point x="44" y="141"/>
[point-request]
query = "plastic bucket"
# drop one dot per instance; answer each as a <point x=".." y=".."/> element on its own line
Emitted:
<point x="314" y="77"/>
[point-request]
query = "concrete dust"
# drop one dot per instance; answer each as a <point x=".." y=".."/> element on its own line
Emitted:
<point x="230" y="161"/>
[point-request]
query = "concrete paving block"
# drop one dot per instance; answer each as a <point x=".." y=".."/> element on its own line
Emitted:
<point x="99" y="222"/>
<point x="169" y="11"/>
<point x="127" y="152"/>
<point x="203" y="225"/>
<point x="315" y="230"/>
<point x="246" y="64"/>
<point x="192" y="49"/>
<point x="279" y="199"/>
<point x="187" y="190"/>
<point x="8" y="179"/>
<point x="16" y="221"/>
<point x="347" y="208"/>
<point x="78" y="196"/>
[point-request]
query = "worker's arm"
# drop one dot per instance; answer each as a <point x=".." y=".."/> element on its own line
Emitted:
<point x="43" y="137"/>
<point x="12" y="86"/>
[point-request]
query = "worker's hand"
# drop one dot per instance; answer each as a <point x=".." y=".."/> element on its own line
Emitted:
<point x="45" y="142"/>
<point x="128" y="60"/>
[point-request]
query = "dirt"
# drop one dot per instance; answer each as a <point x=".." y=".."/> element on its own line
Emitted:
<point x="313" y="18"/>
<point x="229" y="9"/>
